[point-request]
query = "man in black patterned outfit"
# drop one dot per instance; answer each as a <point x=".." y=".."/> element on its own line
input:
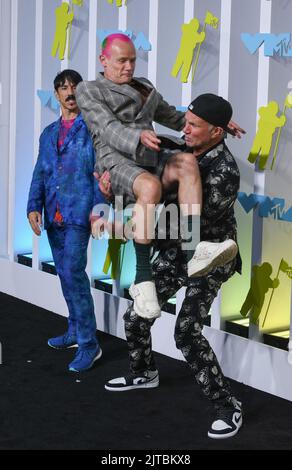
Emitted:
<point x="206" y="123"/>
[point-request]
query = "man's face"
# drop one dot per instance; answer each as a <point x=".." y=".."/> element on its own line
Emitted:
<point x="65" y="94"/>
<point x="199" y="134"/>
<point x="119" y="65"/>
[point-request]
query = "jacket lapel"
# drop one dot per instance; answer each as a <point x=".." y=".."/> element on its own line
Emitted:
<point x="125" y="90"/>
<point x="149" y="104"/>
<point x="55" y="134"/>
<point x="72" y="132"/>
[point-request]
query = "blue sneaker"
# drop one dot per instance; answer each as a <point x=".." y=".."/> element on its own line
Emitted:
<point x="84" y="359"/>
<point x="65" y="341"/>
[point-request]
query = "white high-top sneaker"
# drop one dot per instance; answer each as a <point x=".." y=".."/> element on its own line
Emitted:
<point x="227" y="421"/>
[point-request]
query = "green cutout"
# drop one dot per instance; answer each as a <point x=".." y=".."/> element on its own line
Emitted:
<point x="191" y="37"/>
<point x="64" y="19"/>
<point x="260" y="283"/>
<point x="267" y="124"/>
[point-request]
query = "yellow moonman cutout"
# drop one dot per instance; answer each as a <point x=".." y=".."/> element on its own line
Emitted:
<point x="79" y="3"/>
<point x="260" y="283"/>
<point x="267" y="124"/>
<point x="63" y="20"/>
<point x="190" y="38"/>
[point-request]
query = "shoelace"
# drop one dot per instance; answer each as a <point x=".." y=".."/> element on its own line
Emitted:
<point x="225" y="413"/>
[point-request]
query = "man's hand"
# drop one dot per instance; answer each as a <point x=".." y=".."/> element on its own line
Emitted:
<point x="35" y="220"/>
<point x="235" y="130"/>
<point x="150" y="140"/>
<point x="98" y="227"/>
<point x="104" y="184"/>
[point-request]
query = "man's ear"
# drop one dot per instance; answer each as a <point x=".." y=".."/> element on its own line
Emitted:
<point x="102" y="59"/>
<point x="218" y="131"/>
<point x="56" y="95"/>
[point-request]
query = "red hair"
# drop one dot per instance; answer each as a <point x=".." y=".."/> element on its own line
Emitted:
<point x="107" y="42"/>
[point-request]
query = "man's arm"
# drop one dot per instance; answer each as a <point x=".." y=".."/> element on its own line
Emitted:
<point x="168" y="116"/>
<point x="36" y="197"/>
<point x="37" y="189"/>
<point x="223" y="186"/>
<point x="102" y="121"/>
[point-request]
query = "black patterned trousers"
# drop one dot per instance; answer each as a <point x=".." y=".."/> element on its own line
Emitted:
<point x="169" y="271"/>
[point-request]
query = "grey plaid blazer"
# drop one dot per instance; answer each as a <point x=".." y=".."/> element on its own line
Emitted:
<point x="115" y="116"/>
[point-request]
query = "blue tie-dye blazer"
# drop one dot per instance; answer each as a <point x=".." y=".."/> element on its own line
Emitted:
<point x="65" y="176"/>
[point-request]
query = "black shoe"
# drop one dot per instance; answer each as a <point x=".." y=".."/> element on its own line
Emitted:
<point x="227" y="421"/>
<point x="149" y="379"/>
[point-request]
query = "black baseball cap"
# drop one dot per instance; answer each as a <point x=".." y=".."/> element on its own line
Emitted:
<point x="213" y="109"/>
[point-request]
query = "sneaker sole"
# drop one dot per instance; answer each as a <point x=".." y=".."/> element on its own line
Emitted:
<point x="132" y="387"/>
<point x="220" y="260"/>
<point x="63" y="347"/>
<point x="87" y="368"/>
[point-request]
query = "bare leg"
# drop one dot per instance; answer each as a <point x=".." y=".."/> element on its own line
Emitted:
<point x="182" y="168"/>
<point x="147" y="190"/>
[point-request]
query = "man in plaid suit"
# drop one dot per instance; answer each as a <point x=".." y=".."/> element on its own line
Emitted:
<point x="119" y="110"/>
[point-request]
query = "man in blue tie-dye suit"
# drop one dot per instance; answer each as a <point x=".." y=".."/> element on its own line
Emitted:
<point x="63" y="186"/>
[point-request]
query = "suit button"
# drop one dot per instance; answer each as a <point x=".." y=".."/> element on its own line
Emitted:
<point x="60" y="167"/>
<point x="57" y="187"/>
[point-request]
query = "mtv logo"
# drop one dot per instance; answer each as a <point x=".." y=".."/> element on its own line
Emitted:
<point x="274" y="44"/>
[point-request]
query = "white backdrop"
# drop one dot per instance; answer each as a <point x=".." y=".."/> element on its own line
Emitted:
<point x="225" y="67"/>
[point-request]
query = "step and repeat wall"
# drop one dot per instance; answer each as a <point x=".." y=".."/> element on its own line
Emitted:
<point x="239" y="50"/>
